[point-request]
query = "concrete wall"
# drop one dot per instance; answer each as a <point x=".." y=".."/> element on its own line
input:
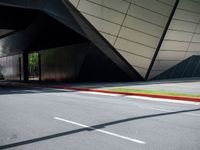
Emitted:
<point x="9" y="67"/>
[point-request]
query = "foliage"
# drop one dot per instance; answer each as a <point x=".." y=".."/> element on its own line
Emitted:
<point x="33" y="60"/>
<point x="33" y="66"/>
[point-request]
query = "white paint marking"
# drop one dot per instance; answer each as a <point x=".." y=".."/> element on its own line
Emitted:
<point x="193" y="114"/>
<point x="164" y="100"/>
<point x="32" y="91"/>
<point x="102" y="131"/>
<point x="57" y="94"/>
<point x="152" y="108"/>
<point x="99" y="93"/>
<point x="165" y="110"/>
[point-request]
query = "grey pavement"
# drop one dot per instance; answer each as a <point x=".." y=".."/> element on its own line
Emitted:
<point x="178" y="86"/>
<point x="27" y="122"/>
<point x="187" y="86"/>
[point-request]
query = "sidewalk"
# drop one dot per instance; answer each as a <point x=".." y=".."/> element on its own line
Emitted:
<point x="187" y="86"/>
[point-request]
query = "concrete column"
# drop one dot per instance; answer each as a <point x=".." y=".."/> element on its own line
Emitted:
<point x="25" y="65"/>
<point x="39" y="65"/>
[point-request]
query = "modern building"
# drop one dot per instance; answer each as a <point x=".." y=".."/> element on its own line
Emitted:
<point x="100" y="40"/>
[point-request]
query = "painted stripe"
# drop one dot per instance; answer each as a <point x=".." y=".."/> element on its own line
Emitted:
<point x="181" y="98"/>
<point x="152" y="108"/>
<point x="166" y="110"/>
<point x="99" y="93"/>
<point x="164" y="100"/>
<point x="102" y="131"/>
<point x="193" y="114"/>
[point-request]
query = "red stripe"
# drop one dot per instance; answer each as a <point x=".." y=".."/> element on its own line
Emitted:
<point x="132" y="93"/>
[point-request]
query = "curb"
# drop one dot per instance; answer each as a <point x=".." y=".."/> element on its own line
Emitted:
<point x="181" y="98"/>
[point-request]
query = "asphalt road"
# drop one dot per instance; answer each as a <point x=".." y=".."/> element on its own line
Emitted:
<point x="48" y="119"/>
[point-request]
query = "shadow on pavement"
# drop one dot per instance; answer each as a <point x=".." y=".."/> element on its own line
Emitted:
<point x="95" y="85"/>
<point x="89" y="129"/>
<point x="21" y="90"/>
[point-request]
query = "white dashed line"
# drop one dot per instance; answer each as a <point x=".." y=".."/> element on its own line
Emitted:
<point x="102" y="131"/>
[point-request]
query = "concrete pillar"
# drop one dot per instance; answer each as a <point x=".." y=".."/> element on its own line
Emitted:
<point x="25" y="65"/>
<point x="39" y="65"/>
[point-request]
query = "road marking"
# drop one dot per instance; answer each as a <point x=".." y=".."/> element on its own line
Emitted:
<point x="152" y="108"/>
<point x="193" y="114"/>
<point x="32" y="91"/>
<point x="56" y="94"/>
<point x="99" y="93"/>
<point x="102" y="131"/>
<point x="164" y="100"/>
<point x="165" y="110"/>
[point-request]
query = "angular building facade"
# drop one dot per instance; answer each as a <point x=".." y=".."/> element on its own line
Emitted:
<point x="100" y="40"/>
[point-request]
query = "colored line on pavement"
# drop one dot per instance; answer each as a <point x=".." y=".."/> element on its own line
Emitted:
<point x="181" y="98"/>
<point x="100" y="93"/>
<point x="166" y="110"/>
<point x="101" y="131"/>
<point x="163" y="100"/>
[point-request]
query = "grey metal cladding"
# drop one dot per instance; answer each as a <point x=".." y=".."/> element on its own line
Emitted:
<point x="66" y="13"/>
<point x="57" y="10"/>
<point x="98" y="40"/>
<point x="187" y="68"/>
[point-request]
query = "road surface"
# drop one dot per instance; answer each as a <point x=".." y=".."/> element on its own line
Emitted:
<point x="50" y="119"/>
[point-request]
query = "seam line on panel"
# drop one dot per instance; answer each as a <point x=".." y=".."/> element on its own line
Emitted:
<point x="122" y="24"/>
<point x="171" y="40"/>
<point x="78" y="4"/>
<point x="177" y="30"/>
<point x="126" y="39"/>
<point x="187" y="50"/>
<point x="195" y="2"/>
<point x="196" y="68"/>
<point x="106" y="7"/>
<point x="128" y="14"/>
<point x="145" y="8"/>
<point x="133" y="53"/>
<point x="181" y="51"/>
<point x="130" y="71"/>
<point x="139" y="67"/>
<point x="162" y="39"/>
<point x="157" y="25"/>
<point x="136" y="42"/>
<point x="190" y="42"/>
<point x="186" y="66"/>
<point x="179" y="8"/>
<point x="185" y="21"/>
<point x="196" y="64"/>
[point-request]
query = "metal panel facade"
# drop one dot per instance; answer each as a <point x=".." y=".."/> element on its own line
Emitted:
<point x="133" y="27"/>
<point x="182" y="39"/>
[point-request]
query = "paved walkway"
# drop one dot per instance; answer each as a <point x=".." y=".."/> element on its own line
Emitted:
<point x="191" y="86"/>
